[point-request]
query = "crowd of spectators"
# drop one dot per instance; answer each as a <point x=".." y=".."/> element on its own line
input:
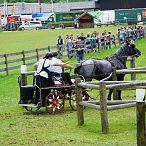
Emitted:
<point x="77" y="45"/>
<point x="131" y="33"/>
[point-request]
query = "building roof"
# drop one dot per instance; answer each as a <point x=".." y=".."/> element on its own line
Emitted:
<point x="84" y="15"/>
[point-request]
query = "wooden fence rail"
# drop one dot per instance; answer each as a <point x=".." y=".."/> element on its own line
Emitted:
<point x="133" y="71"/>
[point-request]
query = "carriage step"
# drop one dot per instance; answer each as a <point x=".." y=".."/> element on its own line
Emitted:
<point x="28" y="105"/>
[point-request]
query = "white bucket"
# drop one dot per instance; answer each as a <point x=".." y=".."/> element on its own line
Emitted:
<point x="140" y="94"/>
<point x="23" y="68"/>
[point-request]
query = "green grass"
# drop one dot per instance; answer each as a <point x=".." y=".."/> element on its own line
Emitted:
<point x="19" y="127"/>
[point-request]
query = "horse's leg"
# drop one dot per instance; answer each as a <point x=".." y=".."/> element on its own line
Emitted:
<point x="120" y="78"/>
<point x="119" y="94"/>
<point x="110" y="94"/>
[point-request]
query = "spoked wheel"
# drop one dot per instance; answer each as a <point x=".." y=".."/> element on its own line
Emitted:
<point x="54" y="102"/>
<point x="73" y="77"/>
<point x="72" y="99"/>
<point x="31" y="108"/>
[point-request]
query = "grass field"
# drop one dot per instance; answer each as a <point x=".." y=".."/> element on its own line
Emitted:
<point x="21" y="128"/>
<point x="18" y="41"/>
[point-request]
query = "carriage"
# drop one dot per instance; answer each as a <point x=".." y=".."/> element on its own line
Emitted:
<point x="55" y="100"/>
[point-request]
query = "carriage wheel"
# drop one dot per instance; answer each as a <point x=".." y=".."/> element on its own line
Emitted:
<point x="73" y="77"/>
<point x="72" y="99"/>
<point x="29" y="108"/>
<point x="54" y="102"/>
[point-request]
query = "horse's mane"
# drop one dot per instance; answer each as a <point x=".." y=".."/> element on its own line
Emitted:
<point x="120" y="53"/>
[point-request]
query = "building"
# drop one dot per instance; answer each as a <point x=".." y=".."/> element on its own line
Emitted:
<point x="85" y="20"/>
<point x="130" y="16"/>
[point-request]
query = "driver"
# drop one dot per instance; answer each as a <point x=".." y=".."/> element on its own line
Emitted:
<point x="58" y="70"/>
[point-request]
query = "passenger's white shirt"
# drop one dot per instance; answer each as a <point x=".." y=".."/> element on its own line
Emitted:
<point x="57" y="69"/>
<point x="48" y="63"/>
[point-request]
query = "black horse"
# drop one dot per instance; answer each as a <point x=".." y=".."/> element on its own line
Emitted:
<point x="101" y="69"/>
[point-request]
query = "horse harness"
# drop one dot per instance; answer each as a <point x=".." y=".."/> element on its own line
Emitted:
<point x="92" y="74"/>
<point x="111" y="60"/>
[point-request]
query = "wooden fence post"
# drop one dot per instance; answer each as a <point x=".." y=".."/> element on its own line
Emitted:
<point x="6" y="62"/>
<point x="114" y="77"/>
<point x="103" y="107"/>
<point x="23" y="55"/>
<point x="80" y="108"/>
<point x="141" y="133"/>
<point x="37" y="54"/>
<point x="132" y="65"/>
<point x="49" y="49"/>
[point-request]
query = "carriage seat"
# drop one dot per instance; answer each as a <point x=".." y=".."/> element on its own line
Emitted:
<point x="57" y="81"/>
<point x="26" y="93"/>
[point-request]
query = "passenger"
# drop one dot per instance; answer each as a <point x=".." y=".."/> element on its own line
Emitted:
<point x="58" y="70"/>
<point x="43" y="76"/>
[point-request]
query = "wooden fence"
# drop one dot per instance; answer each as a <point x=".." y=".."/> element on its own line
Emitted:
<point x="141" y="123"/>
<point x="132" y="71"/>
<point x="13" y="61"/>
<point x="102" y="104"/>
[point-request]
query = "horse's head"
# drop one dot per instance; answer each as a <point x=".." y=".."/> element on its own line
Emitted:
<point x="133" y="51"/>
